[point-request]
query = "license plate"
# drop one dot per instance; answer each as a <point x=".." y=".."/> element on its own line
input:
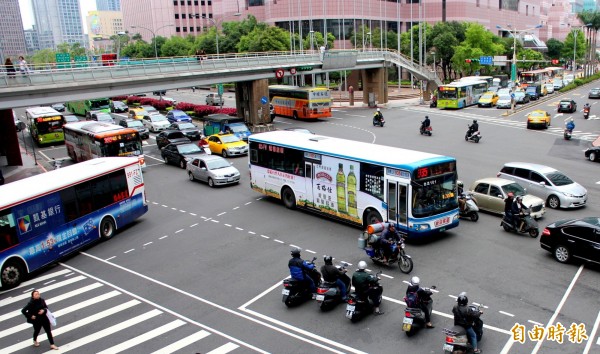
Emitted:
<point x="442" y="221"/>
<point x="406" y="327"/>
<point x="350" y="308"/>
<point x="408" y="320"/>
<point x="320" y="297"/>
<point x="285" y="292"/>
<point x="448" y="347"/>
<point x="229" y="179"/>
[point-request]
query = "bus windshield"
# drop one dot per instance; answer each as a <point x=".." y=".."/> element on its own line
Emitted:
<point x="447" y="93"/>
<point x="122" y="148"/>
<point x="434" y="196"/>
<point x="49" y="126"/>
<point x="100" y="104"/>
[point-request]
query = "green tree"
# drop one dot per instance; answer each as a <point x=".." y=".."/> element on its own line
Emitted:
<point x="529" y="54"/>
<point x="445" y="36"/>
<point x="74" y="49"/>
<point x="555" y="48"/>
<point x="138" y="49"/>
<point x="265" y="38"/>
<point x="478" y="42"/>
<point x="574" y="45"/>
<point x="175" y="47"/>
<point x="43" y="56"/>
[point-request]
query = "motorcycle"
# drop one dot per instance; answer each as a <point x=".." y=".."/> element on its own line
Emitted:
<point x="471" y="208"/>
<point x="378" y="121"/>
<point x="425" y="131"/>
<point x="398" y="254"/>
<point x="526" y="224"/>
<point x="358" y="308"/>
<point x="457" y="341"/>
<point x="586" y="113"/>
<point x="296" y="292"/>
<point x="568" y="133"/>
<point x="475" y="136"/>
<point x="414" y="317"/>
<point x="328" y="293"/>
<point x="433" y="103"/>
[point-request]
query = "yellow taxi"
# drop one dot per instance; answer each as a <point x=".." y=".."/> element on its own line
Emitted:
<point x="137" y="113"/>
<point x="226" y="145"/>
<point x="538" y="118"/>
<point x="488" y="99"/>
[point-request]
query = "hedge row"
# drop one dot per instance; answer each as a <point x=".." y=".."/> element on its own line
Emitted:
<point x="199" y="110"/>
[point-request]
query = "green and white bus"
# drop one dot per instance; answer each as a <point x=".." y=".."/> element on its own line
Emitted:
<point x="84" y="107"/>
<point x="45" y="125"/>
<point x="461" y="94"/>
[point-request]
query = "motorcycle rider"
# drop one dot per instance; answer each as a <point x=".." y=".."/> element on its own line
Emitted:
<point x="299" y="269"/>
<point x="464" y="317"/>
<point x="378" y="115"/>
<point x="388" y="236"/>
<point x="362" y="281"/>
<point x="331" y="274"/>
<point x="425" y="123"/>
<point x="461" y="196"/>
<point x="424" y="299"/>
<point x="517" y="208"/>
<point x="508" y="208"/>
<point x="570" y="125"/>
<point x="587" y="108"/>
<point x="473" y="128"/>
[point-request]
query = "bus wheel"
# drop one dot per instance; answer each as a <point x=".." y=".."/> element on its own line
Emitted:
<point x="371" y="217"/>
<point x="295" y="115"/>
<point x="289" y="200"/>
<point x="107" y="228"/>
<point x="12" y="274"/>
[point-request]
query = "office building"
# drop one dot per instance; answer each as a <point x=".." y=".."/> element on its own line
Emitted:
<point x="101" y="25"/>
<point x="31" y="40"/>
<point x="57" y="21"/>
<point x="108" y="5"/>
<point x="12" y="39"/>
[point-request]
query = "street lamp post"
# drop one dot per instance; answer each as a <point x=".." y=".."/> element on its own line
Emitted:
<point x="217" y="26"/>
<point x="575" y="35"/>
<point x="153" y="36"/>
<point x="119" y="34"/>
<point x="514" y="31"/>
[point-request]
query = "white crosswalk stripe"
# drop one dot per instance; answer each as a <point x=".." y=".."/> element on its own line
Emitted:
<point x="95" y="317"/>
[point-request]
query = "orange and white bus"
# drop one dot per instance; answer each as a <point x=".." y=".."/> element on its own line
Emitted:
<point x="87" y="140"/>
<point x="300" y="102"/>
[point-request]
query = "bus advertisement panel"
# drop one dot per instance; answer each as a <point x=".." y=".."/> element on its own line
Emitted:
<point x="300" y="102"/>
<point x="90" y="139"/>
<point x="356" y="182"/>
<point x="45" y="217"/>
<point x="84" y="107"/>
<point x="45" y="125"/>
<point x="460" y="94"/>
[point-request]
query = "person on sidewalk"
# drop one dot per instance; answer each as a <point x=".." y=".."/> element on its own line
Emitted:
<point x="35" y="313"/>
<point x="10" y="68"/>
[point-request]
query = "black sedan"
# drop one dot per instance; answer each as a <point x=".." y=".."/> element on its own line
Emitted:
<point x="167" y="137"/>
<point x="59" y="107"/>
<point x="521" y="97"/>
<point x="593" y="153"/>
<point x="118" y="107"/>
<point x="180" y="154"/>
<point x="574" y="238"/>
<point x="567" y="105"/>
<point x="594" y="93"/>
<point x="188" y="129"/>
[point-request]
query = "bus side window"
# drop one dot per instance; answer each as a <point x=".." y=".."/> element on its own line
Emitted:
<point x="8" y="230"/>
<point x="69" y="200"/>
<point x="84" y="198"/>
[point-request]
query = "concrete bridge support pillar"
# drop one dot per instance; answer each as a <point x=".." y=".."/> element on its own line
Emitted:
<point x="9" y="142"/>
<point x="248" y="96"/>
<point x="374" y="81"/>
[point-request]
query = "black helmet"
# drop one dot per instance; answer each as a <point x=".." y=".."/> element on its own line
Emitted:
<point x="328" y="259"/>
<point x="295" y="251"/>
<point x="474" y="120"/>
<point x="462" y="299"/>
<point x="426" y="117"/>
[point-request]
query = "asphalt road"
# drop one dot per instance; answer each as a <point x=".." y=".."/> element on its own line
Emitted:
<point x="214" y="258"/>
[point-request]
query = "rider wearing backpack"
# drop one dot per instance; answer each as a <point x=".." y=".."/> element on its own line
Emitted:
<point x="417" y="297"/>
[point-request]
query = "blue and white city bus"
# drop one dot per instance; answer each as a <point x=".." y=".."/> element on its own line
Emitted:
<point x="356" y="182"/>
<point x="45" y="217"/>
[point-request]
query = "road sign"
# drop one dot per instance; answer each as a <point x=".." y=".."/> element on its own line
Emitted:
<point x="293" y="71"/>
<point x="486" y="60"/>
<point x="220" y="89"/>
<point x="279" y="73"/>
<point x="264" y="100"/>
<point x="512" y="95"/>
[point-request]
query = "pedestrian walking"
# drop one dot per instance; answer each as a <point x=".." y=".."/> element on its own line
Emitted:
<point x="10" y="68"/>
<point x="23" y="65"/>
<point x="36" y="313"/>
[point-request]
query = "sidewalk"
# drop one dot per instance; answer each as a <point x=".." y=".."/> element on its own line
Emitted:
<point x="29" y="168"/>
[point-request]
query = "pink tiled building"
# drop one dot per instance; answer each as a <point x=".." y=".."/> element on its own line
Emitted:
<point x="341" y="17"/>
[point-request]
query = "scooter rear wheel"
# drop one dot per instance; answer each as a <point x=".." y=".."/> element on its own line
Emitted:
<point x="474" y="216"/>
<point x="506" y="227"/>
<point x="533" y="233"/>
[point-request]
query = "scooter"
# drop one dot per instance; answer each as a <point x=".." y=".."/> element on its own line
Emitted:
<point x="329" y="294"/>
<point x="586" y="113"/>
<point x="471" y="208"/>
<point x="457" y="341"/>
<point x="414" y="317"/>
<point x="378" y="121"/>
<point x="296" y="292"/>
<point x="405" y="262"/>
<point x="526" y="224"/>
<point x="358" y="308"/>
<point x="425" y="131"/>
<point x="568" y="133"/>
<point x="433" y="103"/>
<point x="475" y="136"/>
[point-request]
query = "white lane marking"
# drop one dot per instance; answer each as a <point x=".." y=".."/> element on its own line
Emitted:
<point x="248" y="203"/>
<point x="292" y="245"/>
<point x="178" y="231"/>
<point x="192" y="225"/>
<point x="174" y="208"/>
<point x="133" y="249"/>
<point x="182" y="343"/>
<point x="39" y="279"/>
<point x="252" y="232"/>
<point x="222" y="213"/>
<point x="454" y="297"/>
<point x="183" y="211"/>
<point x="535" y="323"/>
<point x="309" y="251"/>
<point x="215" y="221"/>
<point x="147" y="243"/>
<point x="477" y="304"/>
<point x="164" y="206"/>
<point x="153" y="158"/>
<point x="598" y="182"/>
<point x="224" y="349"/>
<point x="228" y="225"/>
<point x="165" y="236"/>
<point x="155" y="203"/>
<point x="557" y="311"/>
<point x="109" y="258"/>
<point x="387" y="276"/>
<point x="42" y="290"/>
<point x="239" y="228"/>
<point x="267" y="237"/>
<point x="50" y="282"/>
<point x="592" y="335"/>
<point x="192" y="214"/>
<point x="235" y="208"/>
<point x="144" y="337"/>
<point x="278" y="241"/>
<point x="507" y="314"/>
<point x="356" y="115"/>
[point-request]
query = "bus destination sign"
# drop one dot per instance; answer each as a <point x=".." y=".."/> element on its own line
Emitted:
<point x="49" y="119"/>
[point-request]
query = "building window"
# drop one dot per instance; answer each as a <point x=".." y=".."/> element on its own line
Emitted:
<point x="256" y="2"/>
<point x="196" y="2"/>
<point x="175" y="2"/>
<point x="198" y="29"/>
<point x="526" y="10"/>
<point x="202" y="3"/>
<point x="191" y="29"/>
<point x="209" y="3"/>
<point x="182" y="2"/>
<point x="512" y="5"/>
<point x="477" y="3"/>
<point x="184" y="29"/>
<point x="177" y="16"/>
<point x="177" y="29"/>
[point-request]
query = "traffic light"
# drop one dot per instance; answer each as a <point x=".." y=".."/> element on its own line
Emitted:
<point x="554" y="61"/>
<point x="468" y="61"/>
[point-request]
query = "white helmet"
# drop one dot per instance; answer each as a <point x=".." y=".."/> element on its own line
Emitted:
<point x="378" y="110"/>
<point x="362" y="265"/>
<point x="415" y="281"/>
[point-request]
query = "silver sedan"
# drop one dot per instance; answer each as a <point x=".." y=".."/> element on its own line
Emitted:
<point x="213" y="170"/>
